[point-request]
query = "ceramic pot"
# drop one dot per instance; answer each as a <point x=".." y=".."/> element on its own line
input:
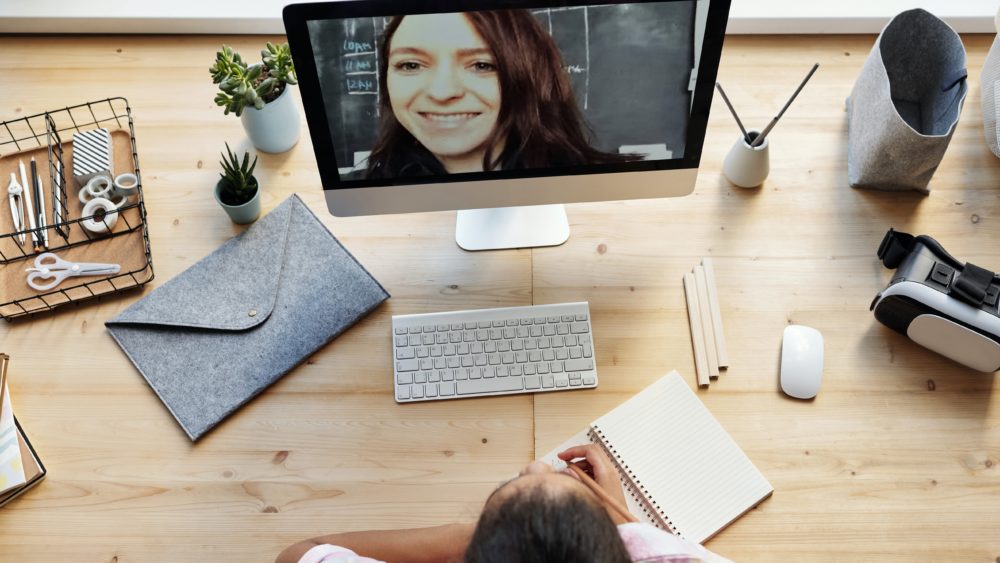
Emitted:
<point x="746" y="166"/>
<point x="275" y="128"/>
<point x="243" y="213"/>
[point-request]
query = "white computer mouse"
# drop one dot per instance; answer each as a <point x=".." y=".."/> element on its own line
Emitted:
<point x="801" y="361"/>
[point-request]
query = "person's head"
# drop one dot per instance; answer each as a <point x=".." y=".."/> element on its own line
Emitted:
<point x="544" y="516"/>
<point x="487" y="88"/>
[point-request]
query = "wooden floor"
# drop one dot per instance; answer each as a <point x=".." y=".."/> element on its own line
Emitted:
<point x="898" y="458"/>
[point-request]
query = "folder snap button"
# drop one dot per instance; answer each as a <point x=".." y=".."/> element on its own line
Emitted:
<point x="253" y="312"/>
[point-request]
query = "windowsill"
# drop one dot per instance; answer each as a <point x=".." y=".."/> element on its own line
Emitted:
<point x="264" y="16"/>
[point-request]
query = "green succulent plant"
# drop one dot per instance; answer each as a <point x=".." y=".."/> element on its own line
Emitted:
<point x="238" y="184"/>
<point x="245" y="85"/>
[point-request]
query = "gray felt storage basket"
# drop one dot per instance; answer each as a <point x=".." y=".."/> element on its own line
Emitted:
<point x="905" y="104"/>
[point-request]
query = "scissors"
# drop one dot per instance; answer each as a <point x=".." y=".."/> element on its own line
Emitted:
<point x="14" y="196"/>
<point x="48" y="265"/>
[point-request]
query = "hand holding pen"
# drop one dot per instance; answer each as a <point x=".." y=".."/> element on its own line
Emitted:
<point x="597" y="473"/>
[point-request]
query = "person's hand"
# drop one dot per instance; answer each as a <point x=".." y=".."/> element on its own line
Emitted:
<point x="596" y="464"/>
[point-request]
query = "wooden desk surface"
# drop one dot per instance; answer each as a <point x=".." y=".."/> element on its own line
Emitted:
<point x="898" y="458"/>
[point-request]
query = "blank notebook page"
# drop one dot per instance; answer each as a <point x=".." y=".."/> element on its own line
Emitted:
<point x="684" y="462"/>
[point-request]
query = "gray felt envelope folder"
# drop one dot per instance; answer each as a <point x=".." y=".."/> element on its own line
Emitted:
<point x="222" y="331"/>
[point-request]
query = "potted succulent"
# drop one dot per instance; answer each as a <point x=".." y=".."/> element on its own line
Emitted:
<point x="260" y="95"/>
<point x="238" y="191"/>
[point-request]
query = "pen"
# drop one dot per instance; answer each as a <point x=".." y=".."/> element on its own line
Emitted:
<point x="605" y="497"/>
<point x="760" y="138"/>
<point x="56" y="203"/>
<point x="27" y="200"/>
<point x="36" y="181"/>
<point x="732" y="110"/>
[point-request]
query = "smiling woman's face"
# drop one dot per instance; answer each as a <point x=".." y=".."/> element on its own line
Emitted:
<point x="443" y="85"/>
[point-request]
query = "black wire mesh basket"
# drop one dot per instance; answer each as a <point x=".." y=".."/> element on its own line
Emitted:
<point x="47" y="137"/>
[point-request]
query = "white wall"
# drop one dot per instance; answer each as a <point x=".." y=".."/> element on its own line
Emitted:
<point x="264" y="16"/>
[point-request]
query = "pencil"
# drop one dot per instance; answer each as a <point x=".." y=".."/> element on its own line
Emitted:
<point x="725" y="98"/>
<point x="3" y="379"/>
<point x="605" y="497"/>
<point x="760" y="138"/>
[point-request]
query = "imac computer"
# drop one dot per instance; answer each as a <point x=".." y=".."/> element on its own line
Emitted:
<point x="505" y="109"/>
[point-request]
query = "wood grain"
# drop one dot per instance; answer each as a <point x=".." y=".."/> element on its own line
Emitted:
<point x="897" y="459"/>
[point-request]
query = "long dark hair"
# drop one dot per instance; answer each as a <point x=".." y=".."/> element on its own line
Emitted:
<point x="539" y="117"/>
<point x="539" y="526"/>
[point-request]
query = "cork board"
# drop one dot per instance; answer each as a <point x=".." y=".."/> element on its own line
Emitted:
<point x="126" y="246"/>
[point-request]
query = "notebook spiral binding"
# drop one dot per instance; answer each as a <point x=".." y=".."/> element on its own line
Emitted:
<point x="650" y="507"/>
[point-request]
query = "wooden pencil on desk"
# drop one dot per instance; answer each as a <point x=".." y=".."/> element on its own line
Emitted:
<point x="704" y="311"/>
<point x="4" y="358"/>
<point x="697" y="334"/>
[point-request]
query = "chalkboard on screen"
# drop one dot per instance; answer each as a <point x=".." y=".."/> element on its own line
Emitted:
<point x="629" y="64"/>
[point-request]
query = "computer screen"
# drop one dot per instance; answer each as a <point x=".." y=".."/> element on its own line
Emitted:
<point x="491" y="104"/>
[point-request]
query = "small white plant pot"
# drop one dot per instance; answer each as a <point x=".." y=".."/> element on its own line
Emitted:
<point x="275" y="128"/>
<point x="746" y="166"/>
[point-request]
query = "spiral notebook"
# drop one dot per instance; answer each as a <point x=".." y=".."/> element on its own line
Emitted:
<point x="680" y="469"/>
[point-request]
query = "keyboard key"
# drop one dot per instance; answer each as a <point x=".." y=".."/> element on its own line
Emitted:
<point x="535" y="356"/>
<point x="503" y="346"/>
<point x="511" y="322"/>
<point x="442" y="328"/>
<point x="579" y="365"/>
<point x="494" y="359"/>
<point x="552" y="319"/>
<point x="468" y="326"/>
<point x="435" y="351"/>
<point x="556" y="367"/>
<point x="561" y="380"/>
<point x="581" y="317"/>
<point x="535" y="331"/>
<point x="468" y="336"/>
<point x="460" y="374"/>
<point x="405" y="353"/>
<point x="509" y="333"/>
<point x="413" y="340"/>
<point x="467" y="361"/>
<point x="522" y="332"/>
<point x="489" y="385"/>
<point x="548" y="382"/>
<point x="448" y="375"/>
<point x="406" y="365"/>
<point x="542" y="368"/>
<point x="569" y="340"/>
<point x="463" y="349"/>
<point x="401" y="341"/>
<point x="532" y="382"/>
<point x="488" y="372"/>
<point x="539" y="320"/>
<point x="579" y="328"/>
<point x="576" y="353"/>
<point x="498" y="324"/>
<point x="414" y="330"/>
<point x="514" y="370"/>
<point x="431" y="390"/>
<point x="556" y="341"/>
<point x="420" y="377"/>
<point x="574" y="375"/>
<point x="585" y="339"/>
<point x="441" y="338"/>
<point x="428" y="328"/>
<point x="449" y="350"/>
<point x="484" y="324"/>
<point x="399" y="330"/>
<point x="454" y="337"/>
<point x="529" y="369"/>
<point x="422" y="352"/>
<point x="447" y="389"/>
<point x="476" y="348"/>
<point x="491" y="347"/>
<point x="531" y="344"/>
<point x="426" y="364"/>
<point x="575" y="382"/>
<point x="521" y="357"/>
<point x="439" y="363"/>
<point x="482" y="335"/>
<point x="433" y="377"/>
<point x="404" y="378"/>
<point x="549" y="330"/>
<point x="418" y="391"/>
<point x="525" y="322"/>
<point x="458" y="326"/>
<point x="476" y="374"/>
<point x="480" y="359"/>
<point x="563" y="329"/>
<point x="589" y="379"/>
<point x="587" y="351"/>
<point x="543" y="343"/>
<point x="567" y="318"/>
<point x="562" y="354"/>
<point x="454" y="362"/>
<point x="548" y="355"/>
<point x="507" y="357"/>
<point x="402" y="393"/>
<point x="496" y="334"/>
<point x="516" y="345"/>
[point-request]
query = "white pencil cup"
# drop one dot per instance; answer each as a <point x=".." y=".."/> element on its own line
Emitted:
<point x="746" y="166"/>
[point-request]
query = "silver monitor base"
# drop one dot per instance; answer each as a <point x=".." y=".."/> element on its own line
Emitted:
<point x="512" y="227"/>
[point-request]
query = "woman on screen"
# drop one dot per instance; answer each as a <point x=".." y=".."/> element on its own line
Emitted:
<point x="475" y="92"/>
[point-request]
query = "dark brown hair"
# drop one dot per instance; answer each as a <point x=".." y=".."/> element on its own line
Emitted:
<point x="538" y="525"/>
<point x="539" y="117"/>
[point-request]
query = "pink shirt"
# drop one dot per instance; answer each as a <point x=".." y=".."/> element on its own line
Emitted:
<point x="644" y="543"/>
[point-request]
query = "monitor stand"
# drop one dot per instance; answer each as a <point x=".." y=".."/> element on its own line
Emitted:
<point x="512" y="227"/>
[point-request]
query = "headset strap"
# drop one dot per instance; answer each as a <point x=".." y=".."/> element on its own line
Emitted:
<point x="970" y="282"/>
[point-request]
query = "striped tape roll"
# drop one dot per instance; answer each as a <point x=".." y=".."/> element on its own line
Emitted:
<point x="91" y="154"/>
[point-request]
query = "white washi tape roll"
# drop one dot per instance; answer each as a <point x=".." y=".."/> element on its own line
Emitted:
<point x="98" y="186"/>
<point x="126" y="184"/>
<point x="101" y="216"/>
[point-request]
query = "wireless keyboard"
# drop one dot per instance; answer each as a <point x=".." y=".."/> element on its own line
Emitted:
<point x="501" y="351"/>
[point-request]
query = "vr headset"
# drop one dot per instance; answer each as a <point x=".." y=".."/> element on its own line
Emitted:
<point x="940" y="303"/>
